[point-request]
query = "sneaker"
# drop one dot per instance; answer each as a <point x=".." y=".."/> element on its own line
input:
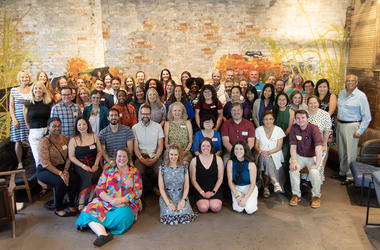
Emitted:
<point x="19" y="166"/>
<point x="294" y="201"/>
<point x="266" y="193"/>
<point x="315" y="202"/>
<point x="277" y="188"/>
<point x="19" y="206"/>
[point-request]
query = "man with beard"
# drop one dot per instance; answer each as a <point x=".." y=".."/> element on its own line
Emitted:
<point x="115" y="136"/>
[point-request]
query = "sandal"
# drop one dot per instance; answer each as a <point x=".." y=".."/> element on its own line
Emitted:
<point x="277" y="188"/>
<point x="67" y="214"/>
<point x="43" y="192"/>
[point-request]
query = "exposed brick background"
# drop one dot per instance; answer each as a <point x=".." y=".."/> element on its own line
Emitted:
<point x="150" y="35"/>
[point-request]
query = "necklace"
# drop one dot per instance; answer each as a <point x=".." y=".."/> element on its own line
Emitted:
<point x="94" y="112"/>
<point x="267" y="131"/>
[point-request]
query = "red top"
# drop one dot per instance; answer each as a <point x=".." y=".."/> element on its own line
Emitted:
<point x="238" y="132"/>
<point x="305" y="140"/>
<point x="127" y="115"/>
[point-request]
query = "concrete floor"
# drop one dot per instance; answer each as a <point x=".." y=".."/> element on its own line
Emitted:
<point x="338" y="224"/>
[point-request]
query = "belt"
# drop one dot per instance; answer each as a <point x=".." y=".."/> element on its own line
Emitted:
<point x="348" y="121"/>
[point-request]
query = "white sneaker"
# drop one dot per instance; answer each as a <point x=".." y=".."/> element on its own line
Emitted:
<point x="19" y="166"/>
<point x="19" y="206"/>
<point x="277" y="188"/>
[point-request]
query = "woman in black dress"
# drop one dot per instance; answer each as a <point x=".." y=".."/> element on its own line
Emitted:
<point x="206" y="174"/>
<point x="85" y="152"/>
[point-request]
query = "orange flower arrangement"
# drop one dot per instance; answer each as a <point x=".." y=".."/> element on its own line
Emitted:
<point x="75" y="66"/>
<point x="240" y="63"/>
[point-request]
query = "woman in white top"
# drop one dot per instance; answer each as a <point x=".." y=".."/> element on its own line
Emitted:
<point x="268" y="143"/>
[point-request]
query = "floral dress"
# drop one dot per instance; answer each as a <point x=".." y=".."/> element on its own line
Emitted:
<point x="174" y="180"/>
<point x="117" y="219"/>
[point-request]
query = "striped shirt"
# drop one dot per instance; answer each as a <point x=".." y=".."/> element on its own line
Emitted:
<point x="68" y="115"/>
<point x="113" y="141"/>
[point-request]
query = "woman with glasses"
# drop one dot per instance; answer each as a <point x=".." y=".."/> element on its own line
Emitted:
<point x="241" y="174"/>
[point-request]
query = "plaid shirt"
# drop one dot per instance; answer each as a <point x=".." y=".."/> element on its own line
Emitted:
<point x="68" y="115"/>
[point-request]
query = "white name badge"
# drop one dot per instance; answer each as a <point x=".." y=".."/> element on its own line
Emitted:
<point x="214" y="139"/>
<point x="64" y="147"/>
<point x="213" y="106"/>
<point x="102" y="99"/>
<point x="92" y="146"/>
<point x="75" y="113"/>
<point x="183" y="126"/>
<point x="299" y="138"/>
<point x="244" y="133"/>
<point x="121" y="115"/>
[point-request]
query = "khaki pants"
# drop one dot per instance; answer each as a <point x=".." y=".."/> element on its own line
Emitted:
<point x="314" y="176"/>
<point x="347" y="146"/>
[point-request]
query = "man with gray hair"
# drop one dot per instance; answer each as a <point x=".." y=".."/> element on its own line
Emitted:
<point x="219" y="88"/>
<point x="254" y="81"/>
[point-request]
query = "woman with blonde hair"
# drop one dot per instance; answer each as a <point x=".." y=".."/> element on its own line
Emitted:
<point x="83" y="98"/>
<point x="17" y="98"/>
<point x="42" y="76"/>
<point x="174" y="184"/>
<point x="158" y="109"/>
<point x="178" y="130"/>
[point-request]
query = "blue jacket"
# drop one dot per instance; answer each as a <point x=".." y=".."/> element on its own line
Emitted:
<point x="103" y="121"/>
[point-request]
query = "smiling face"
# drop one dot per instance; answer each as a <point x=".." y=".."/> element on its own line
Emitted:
<point x="95" y="99"/>
<point x="323" y="89"/>
<point x="121" y="158"/>
<point x="140" y="93"/>
<point x="24" y="79"/>
<point x="99" y="85"/>
<point x="208" y="124"/>
<point x="184" y="77"/>
<point x="235" y="94"/>
<point x="116" y="84"/>
<point x="140" y="77"/>
<point x="107" y="81"/>
<point x="129" y="83"/>
<point x="207" y="94"/>
<point x="206" y="148"/>
<point x="250" y="96"/>
<point x="216" y="76"/>
<point x="267" y="93"/>
<point x="178" y="93"/>
<point x="152" y="97"/>
<point x="113" y="117"/>
<point x="66" y="96"/>
<point x="42" y="77"/>
<point x="38" y="91"/>
<point x="313" y="104"/>
<point x="83" y="95"/>
<point x="194" y="87"/>
<point x="279" y="86"/>
<point x="173" y="156"/>
<point x="152" y="84"/>
<point x="309" y="89"/>
<point x="55" y="128"/>
<point x="243" y="85"/>
<point x="82" y="126"/>
<point x="268" y="121"/>
<point x="254" y="76"/>
<point x="239" y="152"/>
<point x="296" y="100"/>
<point x="81" y="83"/>
<point x="169" y="88"/>
<point x="281" y="101"/>
<point x="351" y="83"/>
<point x="165" y="75"/>
<point x="230" y="75"/>
<point x="121" y="97"/>
<point x="236" y="113"/>
<point x="302" y="120"/>
<point x="272" y="80"/>
<point x="145" y="115"/>
<point x="63" y="83"/>
<point x="177" y="112"/>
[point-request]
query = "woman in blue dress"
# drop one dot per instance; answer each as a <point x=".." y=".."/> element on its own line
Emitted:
<point x="19" y="130"/>
<point x="207" y="130"/>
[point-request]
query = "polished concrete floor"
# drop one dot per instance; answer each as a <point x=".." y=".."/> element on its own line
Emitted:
<point x="338" y="224"/>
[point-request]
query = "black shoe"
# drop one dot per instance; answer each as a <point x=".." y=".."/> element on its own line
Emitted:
<point x="347" y="182"/>
<point x="103" y="239"/>
<point x="338" y="177"/>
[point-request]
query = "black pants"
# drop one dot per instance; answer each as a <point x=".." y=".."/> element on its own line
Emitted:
<point x="59" y="185"/>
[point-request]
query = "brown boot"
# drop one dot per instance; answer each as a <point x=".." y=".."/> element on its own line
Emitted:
<point x="294" y="201"/>
<point x="315" y="202"/>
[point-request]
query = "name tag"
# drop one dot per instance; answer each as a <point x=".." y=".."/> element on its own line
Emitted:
<point x="121" y="115"/>
<point x="102" y="99"/>
<point x="92" y="146"/>
<point x="299" y="138"/>
<point x="213" y="106"/>
<point x="214" y="139"/>
<point x="183" y="126"/>
<point x="75" y="113"/>
<point x="64" y="147"/>
<point x="244" y="133"/>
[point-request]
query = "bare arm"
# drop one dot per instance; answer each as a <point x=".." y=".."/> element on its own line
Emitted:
<point x="226" y="143"/>
<point x="318" y="154"/>
<point x="332" y="104"/>
<point x="197" y="118"/>
<point x="293" y="161"/>
<point x="291" y="120"/>
<point x="26" y="118"/>
<point x="190" y="133"/>
<point x="219" y="161"/>
<point x="252" y="177"/>
<point x="130" y="146"/>
<point x="186" y="186"/>
<point x="278" y="147"/>
<point x="104" y="154"/>
<point x="72" y="157"/>
<point x="166" y="133"/>
<point x="220" y="119"/>
<point x="257" y="145"/>
<point x="230" y="181"/>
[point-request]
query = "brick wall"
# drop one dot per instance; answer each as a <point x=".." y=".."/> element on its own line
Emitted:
<point x="150" y="35"/>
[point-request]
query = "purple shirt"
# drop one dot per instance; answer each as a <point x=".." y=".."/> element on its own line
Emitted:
<point x="306" y="140"/>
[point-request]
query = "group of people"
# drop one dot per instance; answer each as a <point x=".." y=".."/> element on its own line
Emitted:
<point x="181" y="140"/>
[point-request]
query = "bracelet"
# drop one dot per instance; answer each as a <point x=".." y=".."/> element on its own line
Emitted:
<point x="213" y="191"/>
<point x="237" y="196"/>
<point x="60" y="173"/>
<point x="202" y="192"/>
<point x="83" y="166"/>
<point x="294" y="161"/>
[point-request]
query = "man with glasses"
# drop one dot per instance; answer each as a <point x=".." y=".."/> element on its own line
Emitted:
<point x="354" y="117"/>
<point x="67" y="111"/>
<point x="148" y="146"/>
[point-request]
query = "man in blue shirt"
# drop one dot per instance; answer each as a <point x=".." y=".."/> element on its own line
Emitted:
<point x="254" y="81"/>
<point x="354" y="117"/>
